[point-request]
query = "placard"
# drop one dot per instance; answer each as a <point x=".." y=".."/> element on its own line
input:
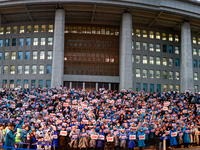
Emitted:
<point x="101" y="137"/>
<point x="167" y="132"/>
<point x="94" y="137"/>
<point x="173" y="134"/>
<point x="110" y="139"/>
<point x="74" y="136"/>
<point x="63" y="133"/>
<point x="142" y="137"/>
<point x="132" y="137"/>
<point x="197" y="133"/>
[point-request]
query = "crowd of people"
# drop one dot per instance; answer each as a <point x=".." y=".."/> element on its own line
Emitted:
<point x="79" y="119"/>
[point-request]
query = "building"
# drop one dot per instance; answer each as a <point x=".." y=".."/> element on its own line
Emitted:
<point x="152" y="45"/>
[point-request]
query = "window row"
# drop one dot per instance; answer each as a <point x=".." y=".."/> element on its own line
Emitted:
<point x="157" y="73"/>
<point x="26" y="84"/>
<point x="155" y="47"/>
<point x="151" y="60"/>
<point x="166" y="87"/>
<point x="26" y="29"/>
<point x="28" y="41"/>
<point x="20" y="55"/>
<point x="195" y="40"/>
<point x="27" y="69"/>
<point x="156" y="35"/>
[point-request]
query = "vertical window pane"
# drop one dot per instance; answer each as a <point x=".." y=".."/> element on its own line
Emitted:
<point x="132" y="58"/>
<point x="164" y="74"/>
<point x="138" y="73"/>
<point x="50" y="41"/>
<point x="157" y="47"/>
<point x="1" y="43"/>
<point x="19" y="69"/>
<point x="132" y="44"/>
<point x="43" y="28"/>
<point x="177" y="62"/>
<point x="158" y="88"/>
<point x="157" y="60"/>
<point x="25" y="83"/>
<point x="177" y="76"/>
<point x="137" y="32"/>
<point x="138" y="87"/>
<point x="7" y="42"/>
<point x="19" y="83"/>
<point x="14" y="41"/>
<point x="157" y="35"/>
<point x="145" y="33"/>
<point x="151" y="60"/>
<point x="171" y="75"/>
<point x="145" y="87"/>
<point x="42" y="54"/>
<point x="164" y="87"/>
<point x="50" y="28"/>
<point x="21" y="41"/>
<point x="28" y="29"/>
<point x="21" y="29"/>
<point x="15" y="29"/>
<point x="13" y="55"/>
<point x="171" y="49"/>
<point x="164" y="36"/>
<point x="20" y="55"/>
<point x="28" y="41"/>
<point x="164" y="61"/>
<point x="137" y="59"/>
<point x="34" y="54"/>
<point x="144" y="59"/>
<point x="195" y="76"/>
<point x="177" y="88"/>
<point x="196" y="89"/>
<point x="4" y="83"/>
<point x="158" y="74"/>
<point x="170" y="37"/>
<point x="176" y="50"/>
<point x="42" y="41"/>
<point x="26" y="69"/>
<point x="8" y="30"/>
<point x="176" y="38"/>
<point x="48" y="83"/>
<point x="137" y="45"/>
<point x="151" y="74"/>
<point x="164" y="48"/>
<point x="151" y="88"/>
<point x="27" y="56"/>
<point x="12" y="69"/>
<point x="49" y="54"/>
<point x="0" y="56"/>
<point x="171" y="87"/>
<point x="35" y="41"/>
<point x="145" y="46"/>
<point x="195" y="63"/>
<point x="144" y="73"/>
<point x="194" y="40"/>
<point x="5" y="70"/>
<point x="2" y="30"/>
<point x="170" y="62"/>
<point x="6" y="56"/>
<point x="33" y="83"/>
<point x="48" y="69"/>
<point x="36" y="28"/>
<point x="151" y="35"/>
<point x="194" y="51"/>
<point x="40" y="84"/>
<point x="41" y="69"/>
<point x="12" y="84"/>
<point x="151" y="47"/>
<point x="34" y="69"/>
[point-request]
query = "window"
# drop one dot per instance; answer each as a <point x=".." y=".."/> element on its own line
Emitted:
<point x="4" y="83"/>
<point x="158" y="74"/>
<point x="12" y="84"/>
<point x="176" y="38"/>
<point x="7" y="43"/>
<point x="177" y="62"/>
<point x="48" y="83"/>
<point x="12" y="69"/>
<point x="13" y="55"/>
<point x="195" y="76"/>
<point x="151" y="35"/>
<point x="157" y="60"/>
<point x="15" y="29"/>
<point x="34" y="54"/>
<point x="145" y="46"/>
<point x="8" y="30"/>
<point x="164" y="36"/>
<point x="157" y="47"/>
<point x="21" y="29"/>
<point x="137" y="45"/>
<point x="34" y="69"/>
<point x="194" y="40"/>
<point x="132" y="44"/>
<point x="27" y="55"/>
<point x="133" y="73"/>
<point x="20" y="55"/>
<point x="171" y="87"/>
<point x="43" y="28"/>
<point x="177" y="75"/>
<point x="42" y="41"/>
<point x="26" y="70"/>
<point x="42" y="55"/>
<point x="36" y="28"/>
<point x="158" y="88"/>
<point x="25" y="83"/>
<point x="138" y="73"/>
<point x="132" y="32"/>
<point x="171" y="75"/>
<point x="19" y="69"/>
<point x="48" y="69"/>
<point x="164" y="48"/>
<point x="33" y="83"/>
<point x="164" y="87"/>
<point x="151" y="88"/>
<point x="170" y="62"/>
<point x="196" y="90"/>
<point x="21" y="41"/>
<point x="35" y="41"/>
<point x="132" y="58"/>
<point x="137" y="59"/>
<point x="138" y="87"/>
<point x="50" y="41"/>
<point x="171" y="49"/>
<point x="194" y="51"/>
<point x="0" y="56"/>
<point x="49" y="55"/>
<point x="144" y="73"/>
<point x="195" y="63"/>
<point x="176" y="50"/>
<point x="170" y="37"/>
<point x="164" y="74"/>
<point x="151" y="72"/>
<point x="145" y="87"/>
<point x="144" y="59"/>
<point x="14" y="41"/>
<point x="50" y="28"/>
<point x="28" y="41"/>
<point x="41" y="69"/>
<point x="2" y="30"/>
<point x="40" y="84"/>
<point x="6" y="56"/>
<point x="158" y="35"/>
<point x="177" y="88"/>
<point x="5" y="70"/>
<point x="1" y="43"/>
<point x="137" y="32"/>
<point x="151" y="60"/>
<point x="151" y="47"/>
<point x="145" y="33"/>
<point x="164" y="61"/>
<point x="28" y="29"/>
<point x="19" y="83"/>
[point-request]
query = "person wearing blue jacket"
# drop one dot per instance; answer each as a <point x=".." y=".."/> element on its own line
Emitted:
<point x="99" y="141"/>
<point x="173" y="141"/>
<point x="10" y="136"/>
<point x="55" y="135"/>
<point x="186" y="136"/>
<point x="141" y="142"/>
<point x="123" y="138"/>
<point x="131" y="142"/>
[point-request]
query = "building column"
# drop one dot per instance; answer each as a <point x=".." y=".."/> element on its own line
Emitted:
<point x="70" y="85"/>
<point x="96" y="86"/>
<point x="109" y="86"/>
<point x="125" y="53"/>
<point x="58" y="49"/>
<point x="83" y="85"/>
<point x="186" y="72"/>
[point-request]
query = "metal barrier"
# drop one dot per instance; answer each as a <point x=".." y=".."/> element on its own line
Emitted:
<point x="164" y="141"/>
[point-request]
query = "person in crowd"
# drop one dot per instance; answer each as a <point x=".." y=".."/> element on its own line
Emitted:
<point x="10" y="136"/>
<point x="33" y="140"/>
<point x="74" y="134"/>
<point x="83" y="140"/>
<point x="141" y="138"/>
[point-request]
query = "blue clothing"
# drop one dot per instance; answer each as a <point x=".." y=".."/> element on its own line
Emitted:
<point x="140" y="142"/>
<point x="186" y="136"/>
<point x="172" y="139"/>
<point x="55" y="140"/>
<point x="131" y="143"/>
<point x="10" y="138"/>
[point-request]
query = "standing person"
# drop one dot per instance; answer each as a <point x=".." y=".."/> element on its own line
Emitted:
<point x="196" y="136"/>
<point x="48" y="138"/>
<point x="55" y="134"/>
<point x="131" y="141"/>
<point x="62" y="140"/>
<point x="141" y="138"/>
<point x="100" y="142"/>
<point x="10" y="136"/>
<point x="92" y="143"/>
<point x="123" y="138"/>
<point x="83" y="140"/>
<point x="109" y="144"/>
<point x="33" y="140"/>
<point x="186" y="137"/>
<point x="74" y="139"/>
<point x="173" y="135"/>
<point x="1" y="134"/>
